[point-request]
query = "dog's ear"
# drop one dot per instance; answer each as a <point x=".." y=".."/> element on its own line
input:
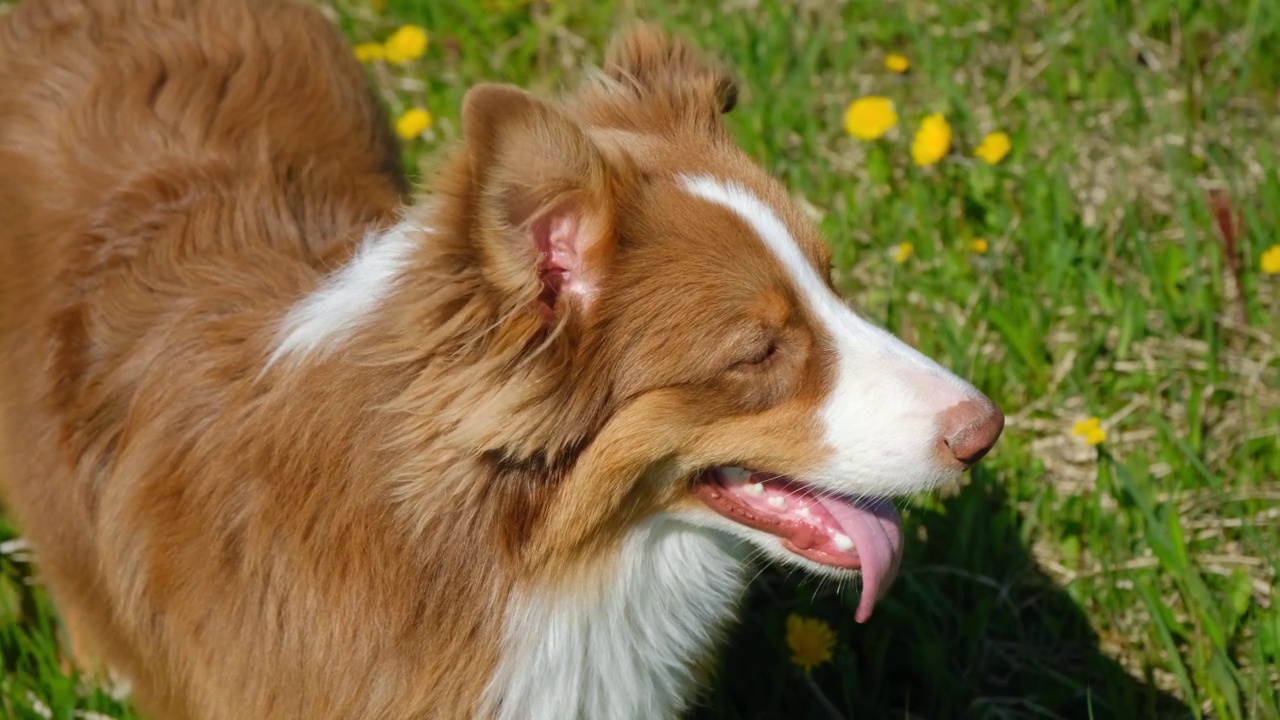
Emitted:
<point x="542" y="199"/>
<point x="659" y="66"/>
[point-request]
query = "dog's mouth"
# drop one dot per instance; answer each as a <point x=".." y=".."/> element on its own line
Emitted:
<point x="818" y="525"/>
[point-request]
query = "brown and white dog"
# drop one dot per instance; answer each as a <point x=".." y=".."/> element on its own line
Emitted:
<point x="287" y="448"/>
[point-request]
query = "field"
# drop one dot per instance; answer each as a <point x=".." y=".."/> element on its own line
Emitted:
<point x="1120" y="263"/>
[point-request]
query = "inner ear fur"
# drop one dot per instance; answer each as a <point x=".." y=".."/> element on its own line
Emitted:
<point x="543" y="205"/>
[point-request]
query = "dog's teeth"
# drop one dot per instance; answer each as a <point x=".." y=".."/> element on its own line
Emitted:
<point x="754" y="489"/>
<point x="778" y="502"/>
<point x="804" y="512"/>
<point x="842" y="542"/>
<point x="736" y="474"/>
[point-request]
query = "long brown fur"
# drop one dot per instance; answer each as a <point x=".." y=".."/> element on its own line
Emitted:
<point x="338" y="537"/>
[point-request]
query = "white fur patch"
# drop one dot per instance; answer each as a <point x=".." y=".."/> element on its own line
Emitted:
<point x="880" y="417"/>
<point x="346" y="299"/>
<point x="623" y="649"/>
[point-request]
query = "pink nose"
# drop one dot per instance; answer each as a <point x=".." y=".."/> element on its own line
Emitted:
<point x="969" y="429"/>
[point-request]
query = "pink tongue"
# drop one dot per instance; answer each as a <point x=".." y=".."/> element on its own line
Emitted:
<point x="876" y="531"/>
<point x="811" y="524"/>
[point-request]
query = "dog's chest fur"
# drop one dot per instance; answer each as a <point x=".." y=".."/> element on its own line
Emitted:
<point x="624" y="651"/>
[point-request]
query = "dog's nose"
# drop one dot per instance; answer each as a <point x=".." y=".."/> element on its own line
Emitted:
<point x="969" y="429"/>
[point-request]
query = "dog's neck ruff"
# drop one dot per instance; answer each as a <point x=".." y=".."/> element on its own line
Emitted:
<point x="625" y="647"/>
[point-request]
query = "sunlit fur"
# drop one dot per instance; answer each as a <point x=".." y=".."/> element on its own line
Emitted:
<point x="289" y="447"/>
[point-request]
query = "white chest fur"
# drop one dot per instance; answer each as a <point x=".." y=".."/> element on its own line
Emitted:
<point x="624" y="651"/>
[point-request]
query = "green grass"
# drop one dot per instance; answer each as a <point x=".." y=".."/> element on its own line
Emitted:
<point x="1133" y="579"/>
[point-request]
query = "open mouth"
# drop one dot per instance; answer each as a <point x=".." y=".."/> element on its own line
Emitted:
<point x="818" y="525"/>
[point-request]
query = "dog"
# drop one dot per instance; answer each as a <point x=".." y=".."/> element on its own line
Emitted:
<point x="289" y="445"/>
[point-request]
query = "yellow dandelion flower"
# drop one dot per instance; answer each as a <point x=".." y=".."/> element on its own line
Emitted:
<point x="1090" y="430"/>
<point x="1271" y="260"/>
<point x="893" y="62"/>
<point x="413" y="123"/>
<point x="993" y="148"/>
<point x="811" y="641"/>
<point x="407" y="43"/>
<point x="870" y="117"/>
<point x="932" y="140"/>
<point x="902" y="251"/>
<point x="979" y="246"/>
<point x="370" y="52"/>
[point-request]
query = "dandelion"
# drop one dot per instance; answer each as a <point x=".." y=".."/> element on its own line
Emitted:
<point x="870" y="117"/>
<point x="993" y="148"/>
<point x="370" y="52"/>
<point x="1271" y="260"/>
<point x="979" y="246"/>
<point x="893" y="62"/>
<point x="932" y="140"/>
<point x="902" y="251"/>
<point x="407" y="43"/>
<point x="413" y="123"/>
<point x="1090" y="430"/>
<point x="811" y="641"/>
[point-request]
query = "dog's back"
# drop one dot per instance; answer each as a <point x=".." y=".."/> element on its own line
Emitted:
<point x="150" y="152"/>
<point x="148" y="100"/>
<point x="169" y="133"/>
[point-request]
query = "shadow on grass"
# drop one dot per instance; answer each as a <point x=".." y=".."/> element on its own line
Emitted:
<point x="972" y="629"/>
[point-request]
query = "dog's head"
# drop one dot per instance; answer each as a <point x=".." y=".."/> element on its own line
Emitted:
<point x="690" y="331"/>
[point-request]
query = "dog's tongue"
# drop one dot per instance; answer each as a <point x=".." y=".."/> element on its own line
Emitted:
<point x="876" y="530"/>
<point x="825" y="528"/>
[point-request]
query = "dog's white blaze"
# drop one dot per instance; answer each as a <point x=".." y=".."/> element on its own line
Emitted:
<point x="622" y="648"/>
<point x="349" y="296"/>
<point x="880" y="419"/>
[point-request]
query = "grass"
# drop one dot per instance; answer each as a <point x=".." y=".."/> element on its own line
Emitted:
<point x="1132" y="579"/>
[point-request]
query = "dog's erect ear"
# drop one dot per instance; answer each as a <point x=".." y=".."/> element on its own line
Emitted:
<point x="654" y="64"/>
<point x="543" y="208"/>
